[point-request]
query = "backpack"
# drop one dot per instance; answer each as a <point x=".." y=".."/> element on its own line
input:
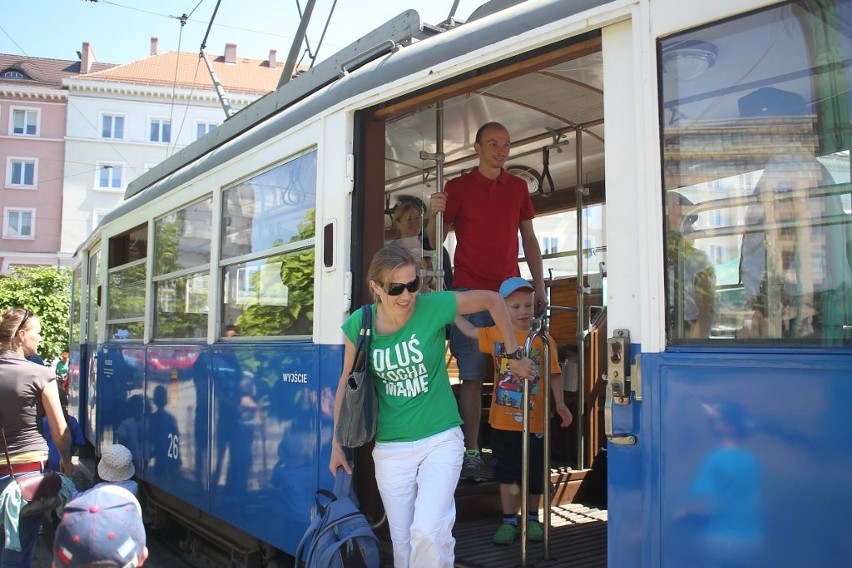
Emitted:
<point x="339" y="535"/>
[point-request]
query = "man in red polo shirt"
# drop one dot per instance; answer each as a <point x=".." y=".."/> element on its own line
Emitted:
<point x="486" y="208"/>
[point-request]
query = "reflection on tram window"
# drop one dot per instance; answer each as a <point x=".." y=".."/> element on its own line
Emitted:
<point x="758" y="151"/>
<point x="181" y="273"/>
<point x="268" y="250"/>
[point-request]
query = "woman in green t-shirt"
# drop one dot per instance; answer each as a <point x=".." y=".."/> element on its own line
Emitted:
<point x="419" y="445"/>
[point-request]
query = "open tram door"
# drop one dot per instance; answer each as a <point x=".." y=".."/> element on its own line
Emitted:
<point x="551" y="101"/>
<point x="86" y="329"/>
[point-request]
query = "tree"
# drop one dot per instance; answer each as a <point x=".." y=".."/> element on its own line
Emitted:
<point x="45" y="291"/>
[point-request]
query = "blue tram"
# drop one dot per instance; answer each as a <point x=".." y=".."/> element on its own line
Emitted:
<point x="689" y="163"/>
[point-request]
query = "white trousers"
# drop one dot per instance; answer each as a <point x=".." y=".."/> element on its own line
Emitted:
<point x="417" y="482"/>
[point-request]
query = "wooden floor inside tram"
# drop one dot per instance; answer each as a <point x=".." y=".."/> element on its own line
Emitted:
<point x="577" y="540"/>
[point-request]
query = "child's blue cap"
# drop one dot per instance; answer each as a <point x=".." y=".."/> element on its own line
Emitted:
<point x="512" y="285"/>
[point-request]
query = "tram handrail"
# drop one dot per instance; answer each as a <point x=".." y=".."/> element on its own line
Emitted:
<point x="538" y="329"/>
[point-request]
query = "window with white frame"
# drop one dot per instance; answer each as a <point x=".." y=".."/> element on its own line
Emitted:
<point x="202" y="128"/>
<point x="21" y="172"/>
<point x="549" y="244"/>
<point x="161" y="130"/>
<point x="109" y="176"/>
<point x="24" y="122"/>
<point x="112" y="126"/>
<point x="18" y="223"/>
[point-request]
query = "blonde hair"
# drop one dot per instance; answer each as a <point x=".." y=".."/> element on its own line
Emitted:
<point x="390" y="257"/>
<point x="10" y="323"/>
<point x="403" y="208"/>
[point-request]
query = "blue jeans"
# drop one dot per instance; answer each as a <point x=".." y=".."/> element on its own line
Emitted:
<point x="471" y="361"/>
<point x="28" y="531"/>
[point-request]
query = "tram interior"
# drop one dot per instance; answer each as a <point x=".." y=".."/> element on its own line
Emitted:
<point x="554" y="114"/>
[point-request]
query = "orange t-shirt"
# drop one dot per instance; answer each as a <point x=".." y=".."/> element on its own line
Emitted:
<point x="506" y="412"/>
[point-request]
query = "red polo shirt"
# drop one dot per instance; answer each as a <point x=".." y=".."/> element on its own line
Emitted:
<point x="486" y="215"/>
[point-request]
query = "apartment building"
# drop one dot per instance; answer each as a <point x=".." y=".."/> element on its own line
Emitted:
<point x="32" y="132"/>
<point x="74" y="133"/>
<point x="124" y="120"/>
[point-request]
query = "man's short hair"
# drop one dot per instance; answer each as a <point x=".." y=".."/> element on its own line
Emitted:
<point x="101" y="527"/>
<point x="485" y="127"/>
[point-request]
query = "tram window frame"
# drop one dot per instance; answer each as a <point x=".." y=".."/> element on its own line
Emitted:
<point x="733" y="146"/>
<point x="182" y="272"/>
<point x="127" y="280"/>
<point x="273" y="305"/>
<point x="76" y="309"/>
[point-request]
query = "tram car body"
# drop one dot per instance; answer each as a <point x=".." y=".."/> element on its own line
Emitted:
<point x="727" y="444"/>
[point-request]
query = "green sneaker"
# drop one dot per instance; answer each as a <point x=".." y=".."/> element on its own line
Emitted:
<point x="534" y="531"/>
<point x="505" y="534"/>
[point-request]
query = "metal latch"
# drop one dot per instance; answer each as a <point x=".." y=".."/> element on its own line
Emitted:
<point x="617" y="383"/>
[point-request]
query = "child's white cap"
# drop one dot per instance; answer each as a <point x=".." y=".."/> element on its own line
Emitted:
<point x="116" y="464"/>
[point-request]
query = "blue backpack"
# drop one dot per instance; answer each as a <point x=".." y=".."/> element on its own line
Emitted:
<point x="339" y="535"/>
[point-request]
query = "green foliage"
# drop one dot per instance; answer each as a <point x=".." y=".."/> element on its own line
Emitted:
<point x="297" y="275"/>
<point x="45" y="291"/>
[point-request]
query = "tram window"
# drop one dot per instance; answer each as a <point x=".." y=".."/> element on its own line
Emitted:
<point x="181" y="307"/>
<point x="126" y="289"/>
<point x="756" y="178"/>
<point x="268" y="251"/>
<point x="129" y="246"/>
<point x="182" y="238"/>
<point x="181" y="271"/>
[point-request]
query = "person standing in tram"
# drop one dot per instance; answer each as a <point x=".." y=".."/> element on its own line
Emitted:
<point x="407" y="220"/>
<point x="418" y="451"/>
<point x="486" y="208"/>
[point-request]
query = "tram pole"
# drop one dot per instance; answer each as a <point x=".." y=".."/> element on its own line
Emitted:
<point x="525" y="455"/>
<point x="582" y="290"/>
<point x="438" y="157"/>
<point x="538" y="329"/>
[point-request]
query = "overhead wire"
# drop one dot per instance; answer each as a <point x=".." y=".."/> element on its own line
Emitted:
<point x="314" y="54"/>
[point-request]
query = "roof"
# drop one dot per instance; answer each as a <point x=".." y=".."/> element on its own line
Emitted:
<point x="184" y="69"/>
<point x="41" y="70"/>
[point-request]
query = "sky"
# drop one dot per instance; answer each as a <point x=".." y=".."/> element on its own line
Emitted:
<point x="120" y="31"/>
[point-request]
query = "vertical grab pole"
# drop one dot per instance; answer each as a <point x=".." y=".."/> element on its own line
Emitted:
<point x="439" y="182"/>
<point x="438" y="157"/>
<point x="525" y="455"/>
<point x="538" y="328"/>
<point x="582" y="290"/>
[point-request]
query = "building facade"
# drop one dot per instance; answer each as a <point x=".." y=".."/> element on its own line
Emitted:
<point x="32" y="138"/>
<point x="74" y="133"/>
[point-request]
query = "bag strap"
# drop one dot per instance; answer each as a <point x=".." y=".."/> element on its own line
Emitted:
<point x="364" y="338"/>
<point x="342" y="483"/>
<point x="6" y="451"/>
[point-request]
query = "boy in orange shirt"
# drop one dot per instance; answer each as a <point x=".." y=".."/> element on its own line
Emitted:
<point x="506" y="416"/>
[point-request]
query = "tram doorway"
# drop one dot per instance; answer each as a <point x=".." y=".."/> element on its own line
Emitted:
<point x="551" y="102"/>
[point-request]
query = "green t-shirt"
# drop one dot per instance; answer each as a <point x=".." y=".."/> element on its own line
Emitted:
<point x="410" y="371"/>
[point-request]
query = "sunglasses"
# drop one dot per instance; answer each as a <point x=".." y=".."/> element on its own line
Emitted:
<point x="27" y="315"/>
<point x="395" y="288"/>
